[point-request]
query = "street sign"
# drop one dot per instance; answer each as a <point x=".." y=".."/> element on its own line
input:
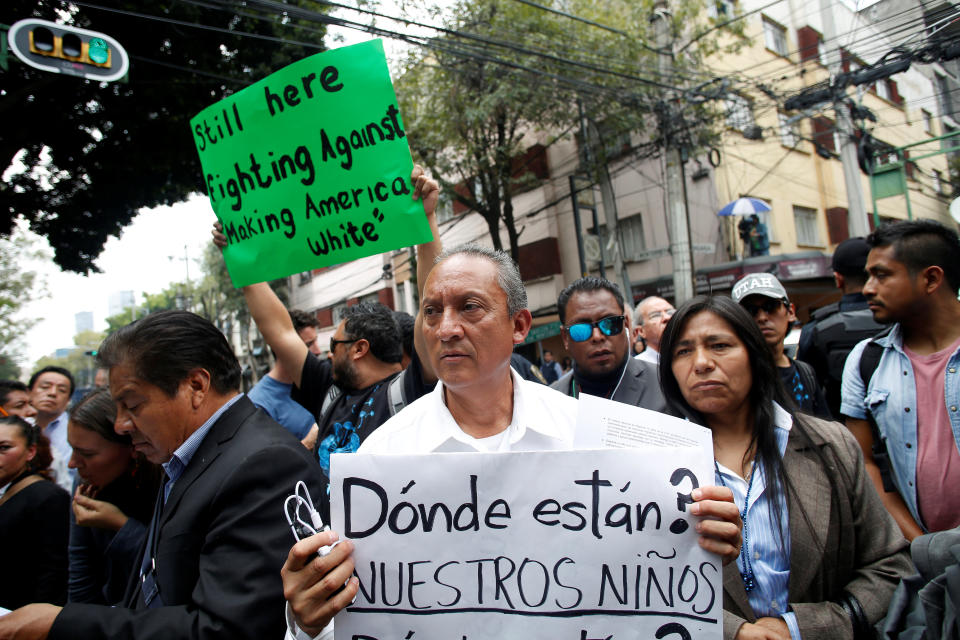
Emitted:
<point x="543" y="332"/>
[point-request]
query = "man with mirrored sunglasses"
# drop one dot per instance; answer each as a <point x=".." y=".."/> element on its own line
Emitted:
<point x="596" y="333"/>
<point x="764" y="298"/>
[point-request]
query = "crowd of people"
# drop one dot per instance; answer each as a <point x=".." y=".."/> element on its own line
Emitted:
<point x="151" y="507"/>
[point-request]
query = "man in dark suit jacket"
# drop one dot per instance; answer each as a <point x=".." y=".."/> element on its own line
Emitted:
<point x="211" y="564"/>
<point x="596" y="334"/>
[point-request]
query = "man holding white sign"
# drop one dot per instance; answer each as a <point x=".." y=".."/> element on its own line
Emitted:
<point x="474" y="309"/>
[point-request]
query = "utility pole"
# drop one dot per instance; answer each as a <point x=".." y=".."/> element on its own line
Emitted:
<point x="856" y="211"/>
<point x="602" y="172"/>
<point x="678" y="222"/>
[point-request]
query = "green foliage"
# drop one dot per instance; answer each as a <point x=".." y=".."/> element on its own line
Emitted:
<point x="18" y="285"/>
<point x="472" y="106"/>
<point x="77" y="362"/>
<point x="212" y="296"/>
<point x="83" y="156"/>
<point x="9" y="369"/>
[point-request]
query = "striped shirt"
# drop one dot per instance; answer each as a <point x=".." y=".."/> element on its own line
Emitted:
<point x="769" y="543"/>
<point x="178" y="462"/>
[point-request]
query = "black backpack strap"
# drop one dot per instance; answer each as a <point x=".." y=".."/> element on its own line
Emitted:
<point x="869" y="361"/>
<point x="332" y="394"/>
<point x="808" y="377"/>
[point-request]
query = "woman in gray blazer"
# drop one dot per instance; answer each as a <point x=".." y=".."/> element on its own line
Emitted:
<point x="820" y="556"/>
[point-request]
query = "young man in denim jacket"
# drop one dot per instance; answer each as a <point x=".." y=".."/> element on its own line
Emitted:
<point x="914" y="392"/>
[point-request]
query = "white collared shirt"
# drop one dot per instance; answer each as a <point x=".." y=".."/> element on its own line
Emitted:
<point x="769" y="544"/>
<point x="56" y="431"/>
<point x="649" y="355"/>
<point x="543" y="420"/>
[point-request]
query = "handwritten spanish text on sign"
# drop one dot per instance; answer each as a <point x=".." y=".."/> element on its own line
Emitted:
<point x="566" y="545"/>
<point x="310" y="166"/>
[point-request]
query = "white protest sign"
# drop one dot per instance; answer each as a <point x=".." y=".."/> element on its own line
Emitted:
<point x="603" y="423"/>
<point x="566" y="545"/>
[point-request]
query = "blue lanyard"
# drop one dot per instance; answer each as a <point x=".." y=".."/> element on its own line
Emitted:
<point x="746" y="570"/>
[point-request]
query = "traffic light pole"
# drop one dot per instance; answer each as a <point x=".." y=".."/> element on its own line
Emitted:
<point x="678" y="221"/>
<point x="856" y="211"/>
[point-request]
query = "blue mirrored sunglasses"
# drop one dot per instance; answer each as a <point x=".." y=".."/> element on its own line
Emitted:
<point x="609" y="326"/>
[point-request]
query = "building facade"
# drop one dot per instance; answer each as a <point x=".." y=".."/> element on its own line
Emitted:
<point x="790" y="159"/>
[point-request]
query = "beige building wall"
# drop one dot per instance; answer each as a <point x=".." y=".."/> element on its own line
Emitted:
<point x="784" y="167"/>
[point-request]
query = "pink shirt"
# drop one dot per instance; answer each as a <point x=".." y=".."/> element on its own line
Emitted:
<point x="938" y="460"/>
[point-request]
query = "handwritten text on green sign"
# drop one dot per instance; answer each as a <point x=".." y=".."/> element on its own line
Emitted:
<point x="310" y="166"/>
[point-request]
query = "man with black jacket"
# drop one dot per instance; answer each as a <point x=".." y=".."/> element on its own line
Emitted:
<point x="210" y="568"/>
<point x="835" y="329"/>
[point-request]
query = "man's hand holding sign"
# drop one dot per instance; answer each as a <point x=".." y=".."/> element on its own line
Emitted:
<point x="470" y="324"/>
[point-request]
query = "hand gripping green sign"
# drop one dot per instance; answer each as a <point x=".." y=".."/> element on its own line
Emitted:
<point x="310" y="167"/>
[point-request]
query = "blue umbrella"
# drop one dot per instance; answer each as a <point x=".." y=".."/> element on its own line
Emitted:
<point x="744" y="207"/>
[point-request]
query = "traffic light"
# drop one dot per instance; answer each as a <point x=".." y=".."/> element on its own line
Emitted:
<point x="69" y="50"/>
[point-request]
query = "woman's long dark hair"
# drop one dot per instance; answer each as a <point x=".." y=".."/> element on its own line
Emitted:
<point x="766" y="385"/>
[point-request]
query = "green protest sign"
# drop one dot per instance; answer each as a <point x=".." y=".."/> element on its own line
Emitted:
<point x="310" y="166"/>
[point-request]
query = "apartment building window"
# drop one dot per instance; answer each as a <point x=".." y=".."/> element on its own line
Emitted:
<point x="739" y="112"/>
<point x="883" y="90"/>
<point x="950" y="143"/>
<point x="631" y="234"/>
<point x="927" y="120"/>
<point x="805" y="222"/>
<point x="938" y="182"/>
<point x="370" y="298"/>
<point x="822" y="56"/>
<point x="789" y="131"/>
<point x="633" y="241"/>
<point x="445" y="210"/>
<point x="774" y="37"/>
<point x="720" y="9"/>
<point x="944" y="96"/>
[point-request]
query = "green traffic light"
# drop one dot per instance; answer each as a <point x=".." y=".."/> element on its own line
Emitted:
<point x="98" y="51"/>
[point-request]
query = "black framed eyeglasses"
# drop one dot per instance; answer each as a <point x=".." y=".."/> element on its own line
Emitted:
<point x="768" y="306"/>
<point x="334" y="342"/>
<point x="609" y="326"/>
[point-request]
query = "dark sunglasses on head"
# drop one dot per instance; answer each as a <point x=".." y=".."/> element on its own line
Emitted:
<point x="769" y="305"/>
<point x="609" y="326"/>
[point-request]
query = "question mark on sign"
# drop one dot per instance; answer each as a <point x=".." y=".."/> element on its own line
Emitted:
<point x="672" y="628"/>
<point x="683" y="499"/>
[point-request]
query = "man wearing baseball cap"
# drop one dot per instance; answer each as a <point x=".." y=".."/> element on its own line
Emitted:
<point x="836" y="328"/>
<point x="762" y="295"/>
